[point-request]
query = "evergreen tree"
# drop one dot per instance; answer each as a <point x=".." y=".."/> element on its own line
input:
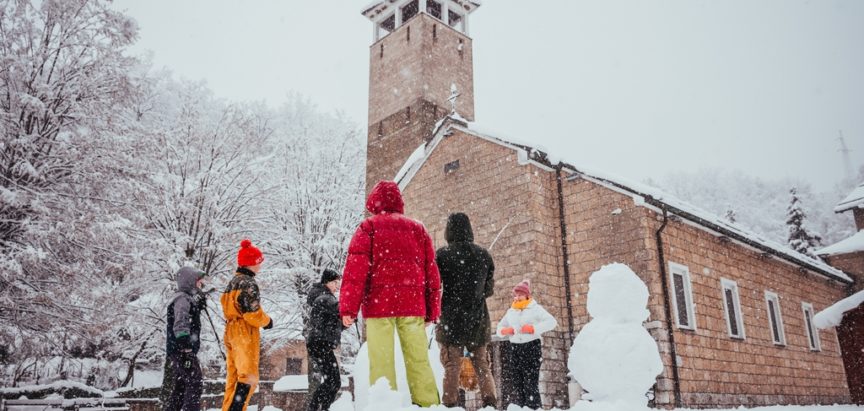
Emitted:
<point x="800" y="239"/>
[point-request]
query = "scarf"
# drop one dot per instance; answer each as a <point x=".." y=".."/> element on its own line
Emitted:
<point x="520" y="305"/>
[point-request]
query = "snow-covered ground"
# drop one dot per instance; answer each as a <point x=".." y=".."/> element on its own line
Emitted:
<point x="624" y="359"/>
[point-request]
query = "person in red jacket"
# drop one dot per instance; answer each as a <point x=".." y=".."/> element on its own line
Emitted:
<point x="391" y="274"/>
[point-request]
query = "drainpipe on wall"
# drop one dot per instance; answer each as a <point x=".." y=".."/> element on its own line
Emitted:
<point x="676" y="382"/>
<point x="563" y="224"/>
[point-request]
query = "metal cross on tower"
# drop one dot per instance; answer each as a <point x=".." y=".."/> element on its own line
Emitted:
<point x="454" y="94"/>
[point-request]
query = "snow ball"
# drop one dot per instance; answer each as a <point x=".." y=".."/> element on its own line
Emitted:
<point x="615" y="293"/>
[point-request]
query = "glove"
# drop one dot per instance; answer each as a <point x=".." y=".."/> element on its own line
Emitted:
<point x="269" y="325"/>
<point x="508" y="331"/>
<point x="184" y="342"/>
<point x="187" y="358"/>
<point x="201" y="300"/>
<point x="527" y="329"/>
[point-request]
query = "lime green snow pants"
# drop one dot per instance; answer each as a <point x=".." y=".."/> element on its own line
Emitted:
<point x="412" y="335"/>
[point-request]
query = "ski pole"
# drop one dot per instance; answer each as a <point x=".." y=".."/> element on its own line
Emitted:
<point x="207" y="311"/>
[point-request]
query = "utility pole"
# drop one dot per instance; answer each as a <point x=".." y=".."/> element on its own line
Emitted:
<point x="844" y="150"/>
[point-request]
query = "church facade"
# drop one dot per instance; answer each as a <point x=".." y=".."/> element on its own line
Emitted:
<point x="731" y="312"/>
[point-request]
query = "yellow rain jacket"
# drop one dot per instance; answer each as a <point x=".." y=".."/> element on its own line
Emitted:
<point x="242" y="308"/>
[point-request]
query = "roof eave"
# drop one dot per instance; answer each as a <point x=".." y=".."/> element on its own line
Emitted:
<point x="541" y="158"/>
<point x="722" y="230"/>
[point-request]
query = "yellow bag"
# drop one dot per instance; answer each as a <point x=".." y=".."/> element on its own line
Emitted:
<point x="467" y="375"/>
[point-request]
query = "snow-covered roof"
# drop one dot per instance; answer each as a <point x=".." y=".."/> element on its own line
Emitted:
<point x="849" y="245"/>
<point x="833" y="315"/>
<point x="642" y="194"/>
<point x="854" y="199"/>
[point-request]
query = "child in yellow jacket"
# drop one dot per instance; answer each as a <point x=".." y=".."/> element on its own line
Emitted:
<point x="242" y="308"/>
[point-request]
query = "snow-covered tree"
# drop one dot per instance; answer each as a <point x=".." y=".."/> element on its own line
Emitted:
<point x="759" y="204"/>
<point x="800" y="239"/>
<point x="317" y="202"/>
<point x="112" y="176"/>
<point x="65" y="82"/>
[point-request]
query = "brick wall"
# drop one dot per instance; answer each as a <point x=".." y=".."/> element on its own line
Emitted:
<point x="392" y="140"/>
<point x="516" y="201"/>
<point x="604" y="227"/>
<point x="409" y="82"/>
<point x="403" y="68"/>
<point x="519" y="202"/>
<point x="274" y="363"/>
<point x="852" y="264"/>
<point x="719" y="371"/>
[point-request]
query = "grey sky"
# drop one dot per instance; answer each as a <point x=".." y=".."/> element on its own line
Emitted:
<point x="637" y="88"/>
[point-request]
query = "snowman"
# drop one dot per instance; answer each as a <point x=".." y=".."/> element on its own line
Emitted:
<point x="613" y="357"/>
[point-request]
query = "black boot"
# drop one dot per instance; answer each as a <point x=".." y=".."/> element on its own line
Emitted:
<point x="240" y="392"/>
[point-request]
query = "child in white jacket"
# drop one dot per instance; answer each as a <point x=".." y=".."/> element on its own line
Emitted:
<point x="522" y="325"/>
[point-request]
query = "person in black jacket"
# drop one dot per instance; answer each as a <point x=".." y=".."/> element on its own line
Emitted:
<point x="467" y="277"/>
<point x="183" y="340"/>
<point x="323" y="334"/>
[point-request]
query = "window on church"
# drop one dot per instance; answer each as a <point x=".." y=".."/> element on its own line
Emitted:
<point x="732" y="308"/>
<point x="456" y="21"/>
<point x="775" y="320"/>
<point x="433" y="8"/>
<point x="451" y="167"/>
<point x="410" y="10"/>
<point x="682" y="296"/>
<point x="812" y="333"/>
<point x="387" y="26"/>
<point x="293" y="366"/>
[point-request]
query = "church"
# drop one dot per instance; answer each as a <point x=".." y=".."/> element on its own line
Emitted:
<point x="732" y="312"/>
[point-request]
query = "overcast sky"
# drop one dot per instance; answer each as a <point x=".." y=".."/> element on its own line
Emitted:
<point x="638" y="88"/>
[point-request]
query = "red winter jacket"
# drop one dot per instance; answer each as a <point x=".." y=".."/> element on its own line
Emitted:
<point x="391" y="268"/>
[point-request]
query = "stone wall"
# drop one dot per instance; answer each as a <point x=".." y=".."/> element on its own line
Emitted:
<point x="852" y="264"/>
<point x="717" y="370"/>
<point x="515" y="204"/>
<point x="411" y="71"/>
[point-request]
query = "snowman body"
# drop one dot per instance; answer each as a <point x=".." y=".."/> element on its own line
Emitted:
<point x="614" y="357"/>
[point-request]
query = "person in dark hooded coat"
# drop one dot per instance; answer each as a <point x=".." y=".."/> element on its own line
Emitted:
<point x="467" y="277"/>
<point x="323" y="333"/>
<point x="183" y="339"/>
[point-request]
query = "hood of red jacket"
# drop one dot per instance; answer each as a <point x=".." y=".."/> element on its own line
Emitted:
<point x="385" y="197"/>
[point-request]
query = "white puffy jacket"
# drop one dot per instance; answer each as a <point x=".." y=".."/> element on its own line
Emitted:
<point x="533" y="314"/>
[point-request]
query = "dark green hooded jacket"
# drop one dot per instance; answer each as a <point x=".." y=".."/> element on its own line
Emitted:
<point x="467" y="277"/>
<point x="184" y="313"/>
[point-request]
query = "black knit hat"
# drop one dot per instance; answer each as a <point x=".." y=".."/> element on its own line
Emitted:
<point x="329" y="275"/>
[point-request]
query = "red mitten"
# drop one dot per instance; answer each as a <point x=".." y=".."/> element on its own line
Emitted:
<point x="527" y="329"/>
<point x="508" y="331"/>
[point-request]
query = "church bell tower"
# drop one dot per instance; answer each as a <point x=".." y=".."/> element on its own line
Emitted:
<point x="420" y="53"/>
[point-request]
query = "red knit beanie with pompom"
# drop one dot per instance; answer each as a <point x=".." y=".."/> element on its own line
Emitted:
<point x="523" y="288"/>
<point x="249" y="255"/>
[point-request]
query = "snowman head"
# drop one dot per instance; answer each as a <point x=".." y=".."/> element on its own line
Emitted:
<point x="616" y="294"/>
